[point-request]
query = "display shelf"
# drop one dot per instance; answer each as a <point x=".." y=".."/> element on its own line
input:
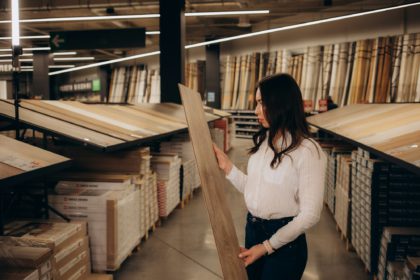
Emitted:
<point x="390" y="131"/>
<point x="99" y="126"/>
<point x="20" y="162"/>
<point x="246" y="122"/>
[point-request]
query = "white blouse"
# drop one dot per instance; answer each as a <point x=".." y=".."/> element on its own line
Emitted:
<point x="294" y="188"/>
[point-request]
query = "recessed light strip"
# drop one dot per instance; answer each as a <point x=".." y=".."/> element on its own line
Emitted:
<point x="64" y="53"/>
<point x="28" y="37"/>
<point x="81" y="58"/>
<point x="241" y="36"/>
<point x="105" y="62"/>
<point x="123" y="17"/>
<point x="227" y="13"/>
<point x="295" y="26"/>
<point x="152" y="32"/>
<point x="15" y="23"/>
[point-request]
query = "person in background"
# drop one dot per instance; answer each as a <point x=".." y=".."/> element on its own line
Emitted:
<point x="284" y="184"/>
<point x="330" y="103"/>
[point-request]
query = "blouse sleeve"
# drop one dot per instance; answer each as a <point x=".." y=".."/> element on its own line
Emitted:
<point x="237" y="178"/>
<point x="311" y="164"/>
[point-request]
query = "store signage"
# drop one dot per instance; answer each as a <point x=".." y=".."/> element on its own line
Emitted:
<point x="98" y="39"/>
<point x="81" y="86"/>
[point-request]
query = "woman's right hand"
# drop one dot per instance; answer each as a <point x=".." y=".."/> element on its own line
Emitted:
<point x="223" y="160"/>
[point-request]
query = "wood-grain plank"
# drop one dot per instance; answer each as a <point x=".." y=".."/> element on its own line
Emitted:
<point x="65" y="115"/>
<point x="213" y="183"/>
<point x="59" y="127"/>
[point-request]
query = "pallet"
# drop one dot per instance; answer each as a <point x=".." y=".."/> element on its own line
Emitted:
<point x="185" y="201"/>
<point x="349" y="246"/>
<point x="134" y="249"/>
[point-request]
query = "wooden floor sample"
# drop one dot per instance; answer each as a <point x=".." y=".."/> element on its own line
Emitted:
<point x="392" y="129"/>
<point x="213" y="183"/>
<point x="17" y="158"/>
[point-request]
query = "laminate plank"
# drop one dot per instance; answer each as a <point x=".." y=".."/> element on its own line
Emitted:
<point x="65" y="129"/>
<point x="17" y="157"/>
<point x="67" y="116"/>
<point x="213" y="183"/>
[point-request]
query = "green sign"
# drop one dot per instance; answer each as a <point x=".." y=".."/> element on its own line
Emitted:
<point x="96" y="85"/>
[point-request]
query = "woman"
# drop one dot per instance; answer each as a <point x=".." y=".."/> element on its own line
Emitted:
<point x="285" y="183"/>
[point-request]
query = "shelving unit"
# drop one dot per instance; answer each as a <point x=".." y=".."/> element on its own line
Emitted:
<point x="245" y="123"/>
<point x="384" y="175"/>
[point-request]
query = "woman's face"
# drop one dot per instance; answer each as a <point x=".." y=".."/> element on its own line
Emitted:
<point x="259" y="110"/>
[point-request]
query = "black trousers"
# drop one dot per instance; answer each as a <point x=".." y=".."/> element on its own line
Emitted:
<point x="286" y="263"/>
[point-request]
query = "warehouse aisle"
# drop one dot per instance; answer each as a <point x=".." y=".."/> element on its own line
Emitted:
<point x="183" y="247"/>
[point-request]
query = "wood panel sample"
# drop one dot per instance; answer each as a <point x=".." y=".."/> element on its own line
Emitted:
<point x="213" y="185"/>
<point x="18" y="158"/>
<point x="392" y="129"/>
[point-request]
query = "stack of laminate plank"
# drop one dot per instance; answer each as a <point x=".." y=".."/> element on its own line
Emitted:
<point x="181" y="145"/>
<point x="343" y="194"/>
<point x="149" y="213"/>
<point x="411" y="270"/>
<point x="384" y="69"/>
<point x="68" y="243"/>
<point x="25" y="262"/>
<point x="196" y="75"/>
<point x="110" y="206"/>
<point x="134" y="84"/>
<point x="383" y="194"/>
<point x="167" y="168"/>
<point x="396" y="244"/>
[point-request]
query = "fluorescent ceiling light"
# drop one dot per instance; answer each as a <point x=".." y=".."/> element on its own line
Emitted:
<point x="295" y="26"/>
<point x="28" y="37"/>
<point x="9" y="55"/>
<point x="29" y="49"/>
<point x="239" y="37"/>
<point x="61" y="66"/>
<point x="81" y="58"/>
<point x="64" y="53"/>
<point x="23" y="60"/>
<point x="227" y="13"/>
<point x="85" y="18"/>
<point x="27" y="70"/>
<point x="152" y="32"/>
<point x="26" y="67"/>
<point x="124" y="17"/>
<point x="105" y="62"/>
<point x="15" y="23"/>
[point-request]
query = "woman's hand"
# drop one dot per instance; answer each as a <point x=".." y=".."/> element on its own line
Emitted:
<point x="249" y="256"/>
<point x="223" y="160"/>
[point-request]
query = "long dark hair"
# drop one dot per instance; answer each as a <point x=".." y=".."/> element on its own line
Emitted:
<point x="283" y="109"/>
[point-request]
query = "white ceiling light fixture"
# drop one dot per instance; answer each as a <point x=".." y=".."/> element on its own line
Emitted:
<point x="238" y="37"/>
<point x="295" y="26"/>
<point x="82" y="58"/>
<point x="22" y="60"/>
<point x="152" y="32"/>
<point x="61" y="66"/>
<point x="26" y="67"/>
<point x="29" y="49"/>
<point x="28" y="37"/>
<point x="15" y="23"/>
<point x="64" y="53"/>
<point x="227" y="13"/>
<point x="9" y="55"/>
<point x="125" y="17"/>
<point x="106" y="62"/>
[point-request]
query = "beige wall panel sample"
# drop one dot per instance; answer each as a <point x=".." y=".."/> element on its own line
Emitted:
<point x="213" y="184"/>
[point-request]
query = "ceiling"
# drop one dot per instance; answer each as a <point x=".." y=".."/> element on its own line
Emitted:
<point x="282" y="13"/>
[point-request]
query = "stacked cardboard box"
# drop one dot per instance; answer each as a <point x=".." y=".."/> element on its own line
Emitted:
<point x="411" y="270"/>
<point x="167" y="168"/>
<point x="383" y="195"/>
<point x="110" y="205"/>
<point x="343" y="194"/>
<point x="33" y="262"/>
<point x="67" y="241"/>
<point x="181" y="145"/>
<point x="149" y="213"/>
<point x="396" y="244"/>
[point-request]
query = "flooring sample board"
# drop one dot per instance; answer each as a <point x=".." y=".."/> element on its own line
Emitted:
<point x="392" y="129"/>
<point x="213" y="185"/>
<point x="18" y="159"/>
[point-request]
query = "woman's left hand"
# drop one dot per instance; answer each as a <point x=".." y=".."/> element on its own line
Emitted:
<point x="249" y="256"/>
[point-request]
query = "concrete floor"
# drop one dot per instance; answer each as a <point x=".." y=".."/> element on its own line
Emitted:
<point x="183" y="247"/>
